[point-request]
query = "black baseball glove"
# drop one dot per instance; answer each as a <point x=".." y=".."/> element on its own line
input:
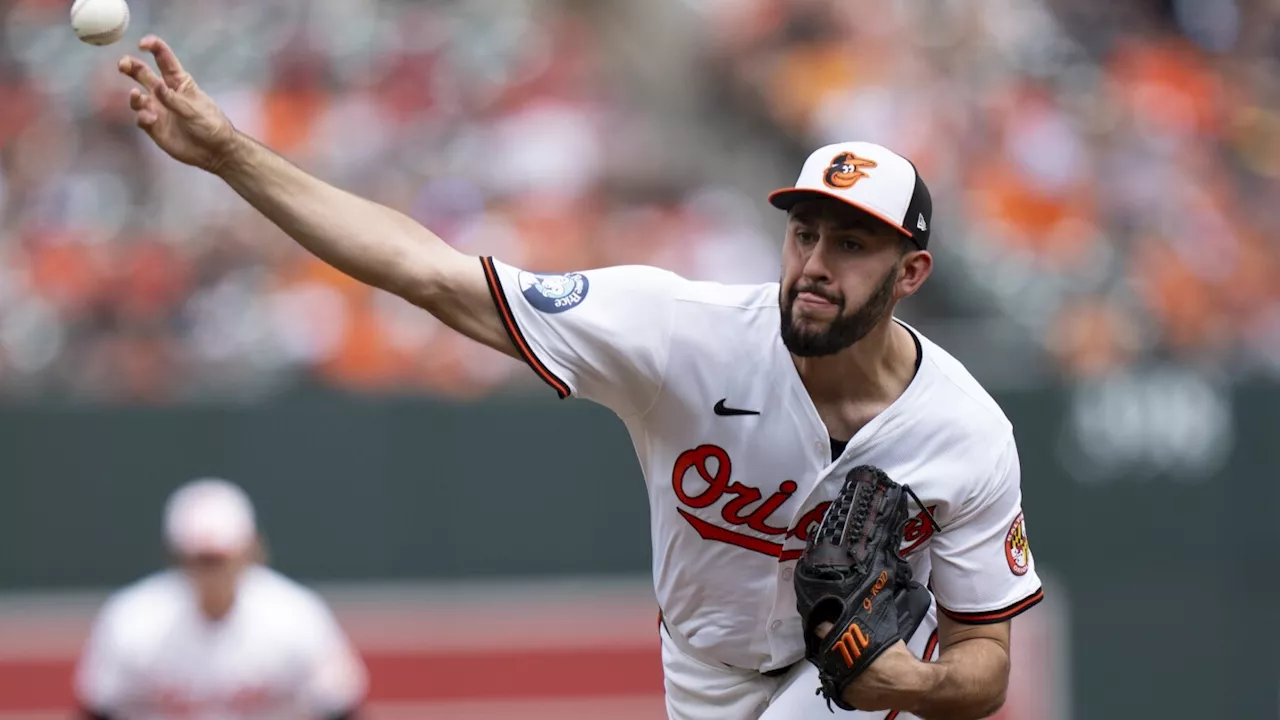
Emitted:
<point x="852" y="576"/>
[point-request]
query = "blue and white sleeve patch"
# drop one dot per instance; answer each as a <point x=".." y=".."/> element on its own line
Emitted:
<point x="554" y="293"/>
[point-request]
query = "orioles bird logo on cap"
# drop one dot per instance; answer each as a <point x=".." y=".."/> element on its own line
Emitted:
<point x="845" y="170"/>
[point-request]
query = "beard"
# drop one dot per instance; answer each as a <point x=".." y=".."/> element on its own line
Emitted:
<point x="844" y="330"/>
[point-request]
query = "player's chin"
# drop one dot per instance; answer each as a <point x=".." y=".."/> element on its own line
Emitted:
<point x="806" y="333"/>
<point x="809" y="345"/>
<point x="813" y="320"/>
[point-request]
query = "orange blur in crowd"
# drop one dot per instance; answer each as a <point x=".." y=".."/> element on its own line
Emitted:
<point x="1138" y="204"/>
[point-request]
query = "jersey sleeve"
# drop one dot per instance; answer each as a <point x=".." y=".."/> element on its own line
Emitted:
<point x="983" y="570"/>
<point x="102" y="681"/>
<point x="335" y="678"/>
<point x="601" y="335"/>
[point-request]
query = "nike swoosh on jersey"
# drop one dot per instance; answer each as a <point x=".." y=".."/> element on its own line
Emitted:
<point x="723" y="411"/>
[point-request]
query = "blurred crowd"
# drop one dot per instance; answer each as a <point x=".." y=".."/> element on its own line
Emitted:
<point x="1107" y="176"/>
<point x="1108" y="172"/>
<point x="127" y="277"/>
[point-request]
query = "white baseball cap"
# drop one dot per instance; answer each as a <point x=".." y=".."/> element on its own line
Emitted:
<point x="870" y="177"/>
<point x="209" y="515"/>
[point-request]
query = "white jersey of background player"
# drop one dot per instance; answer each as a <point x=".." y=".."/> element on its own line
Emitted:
<point x="220" y="638"/>
<point x="735" y="397"/>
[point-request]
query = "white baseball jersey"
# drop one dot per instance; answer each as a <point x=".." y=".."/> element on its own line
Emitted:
<point x="738" y="463"/>
<point x="278" y="654"/>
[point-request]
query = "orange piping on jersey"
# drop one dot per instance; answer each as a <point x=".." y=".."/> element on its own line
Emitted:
<point x="995" y="616"/>
<point x="513" y="330"/>
<point x="929" y="647"/>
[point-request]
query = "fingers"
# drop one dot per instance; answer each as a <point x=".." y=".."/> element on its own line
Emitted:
<point x="170" y="68"/>
<point x="158" y="88"/>
<point x="144" y="108"/>
<point x="147" y="119"/>
<point x="144" y="75"/>
<point x="822" y="629"/>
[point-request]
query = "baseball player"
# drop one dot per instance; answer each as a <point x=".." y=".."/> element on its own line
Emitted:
<point x="220" y="637"/>
<point x="748" y="406"/>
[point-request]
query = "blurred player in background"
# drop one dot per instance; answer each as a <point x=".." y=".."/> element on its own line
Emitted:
<point x="219" y="636"/>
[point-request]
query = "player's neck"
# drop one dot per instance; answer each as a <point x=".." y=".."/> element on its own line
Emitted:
<point x="877" y="368"/>
<point x="217" y="607"/>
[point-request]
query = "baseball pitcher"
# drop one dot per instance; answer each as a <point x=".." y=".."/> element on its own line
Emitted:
<point x="220" y="636"/>
<point x="835" y="501"/>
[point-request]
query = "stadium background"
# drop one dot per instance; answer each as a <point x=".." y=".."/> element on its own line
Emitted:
<point x="1105" y="173"/>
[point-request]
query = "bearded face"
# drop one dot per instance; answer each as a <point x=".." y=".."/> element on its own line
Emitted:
<point x="810" y="329"/>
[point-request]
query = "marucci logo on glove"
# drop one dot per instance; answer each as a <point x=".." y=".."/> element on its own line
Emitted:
<point x="852" y="643"/>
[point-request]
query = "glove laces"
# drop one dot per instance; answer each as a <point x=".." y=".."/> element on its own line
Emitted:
<point x="924" y="509"/>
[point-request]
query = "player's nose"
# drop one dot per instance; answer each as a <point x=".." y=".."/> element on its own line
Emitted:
<point x="815" y="264"/>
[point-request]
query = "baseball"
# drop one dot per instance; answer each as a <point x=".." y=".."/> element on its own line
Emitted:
<point x="100" y="22"/>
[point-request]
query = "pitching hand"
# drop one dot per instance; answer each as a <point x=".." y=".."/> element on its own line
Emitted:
<point x="177" y="114"/>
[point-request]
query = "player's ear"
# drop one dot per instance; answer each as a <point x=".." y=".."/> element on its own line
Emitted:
<point x="259" y="552"/>
<point x="915" y="267"/>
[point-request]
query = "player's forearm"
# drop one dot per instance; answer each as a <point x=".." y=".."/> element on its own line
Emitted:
<point x="967" y="683"/>
<point x="367" y="241"/>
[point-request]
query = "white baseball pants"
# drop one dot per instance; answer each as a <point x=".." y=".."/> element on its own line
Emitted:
<point x="702" y="689"/>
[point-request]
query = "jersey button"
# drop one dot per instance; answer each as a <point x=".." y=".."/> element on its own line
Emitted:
<point x="786" y="574"/>
<point x="819" y="446"/>
<point x="775" y="624"/>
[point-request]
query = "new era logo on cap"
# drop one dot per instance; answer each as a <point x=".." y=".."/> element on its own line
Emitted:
<point x="870" y="177"/>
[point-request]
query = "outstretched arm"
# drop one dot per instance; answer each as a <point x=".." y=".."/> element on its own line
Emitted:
<point x="367" y="241"/>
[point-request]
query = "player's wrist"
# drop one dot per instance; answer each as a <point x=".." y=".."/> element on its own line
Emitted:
<point x="235" y="155"/>
<point x="905" y="685"/>
<point x="919" y="684"/>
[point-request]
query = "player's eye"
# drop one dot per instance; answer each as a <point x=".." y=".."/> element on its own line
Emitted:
<point x="806" y="237"/>
<point x="850" y="245"/>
